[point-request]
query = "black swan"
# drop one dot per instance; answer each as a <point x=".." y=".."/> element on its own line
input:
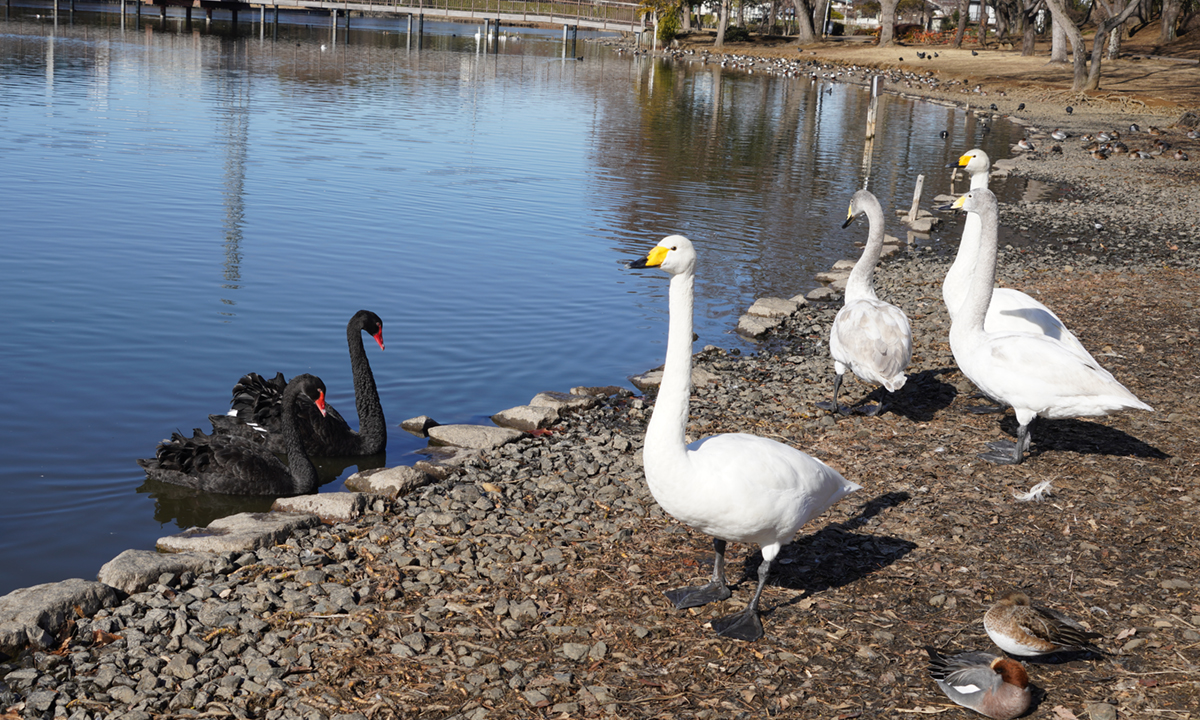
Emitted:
<point x="234" y="465"/>
<point x="257" y="403"/>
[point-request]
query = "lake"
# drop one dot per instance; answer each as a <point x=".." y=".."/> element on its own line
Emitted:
<point x="181" y="207"/>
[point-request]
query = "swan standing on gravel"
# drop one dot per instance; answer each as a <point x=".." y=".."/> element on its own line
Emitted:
<point x="733" y="486"/>
<point x="237" y="466"/>
<point x="1034" y="374"/>
<point x="1009" y="310"/>
<point x="257" y="405"/>
<point x="869" y="336"/>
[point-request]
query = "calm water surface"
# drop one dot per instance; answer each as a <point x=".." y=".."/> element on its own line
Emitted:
<point x="179" y="208"/>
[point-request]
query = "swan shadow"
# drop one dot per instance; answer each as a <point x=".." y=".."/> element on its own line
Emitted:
<point x="832" y="557"/>
<point x="924" y="394"/>
<point x="1081" y="436"/>
<point x="187" y="507"/>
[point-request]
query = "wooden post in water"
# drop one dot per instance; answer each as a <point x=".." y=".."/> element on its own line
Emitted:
<point x="496" y="37"/>
<point x="869" y="146"/>
<point x="912" y="212"/>
<point x="275" y="24"/>
<point x="420" y="30"/>
<point x="333" y="26"/>
<point x="188" y="15"/>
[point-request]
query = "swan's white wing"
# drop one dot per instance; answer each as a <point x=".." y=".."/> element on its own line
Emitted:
<point x="874" y="339"/>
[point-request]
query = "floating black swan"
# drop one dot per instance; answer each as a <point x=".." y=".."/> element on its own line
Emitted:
<point x="257" y="405"/>
<point x="234" y="465"/>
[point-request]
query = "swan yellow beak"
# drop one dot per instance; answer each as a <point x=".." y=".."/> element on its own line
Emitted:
<point x="958" y="204"/>
<point x="654" y="259"/>
<point x="849" y="216"/>
<point x="962" y="161"/>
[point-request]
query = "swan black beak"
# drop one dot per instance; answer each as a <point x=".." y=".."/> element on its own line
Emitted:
<point x="848" y="221"/>
<point x="636" y="264"/>
<point x="945" y="208"/>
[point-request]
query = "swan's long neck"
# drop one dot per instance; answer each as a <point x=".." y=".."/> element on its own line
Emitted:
<point x="979" y="290"/>
<point x="372" y="430"/>
<point x="304" y="475"/>
<point x="668" y="425"/>
<point x="954" y="287"/>
<point x="861" y="283"/>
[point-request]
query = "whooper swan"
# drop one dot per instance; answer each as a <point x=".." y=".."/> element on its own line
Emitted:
<point x="734" y="486"/>
<point x="870" y="337"/>
<point x="1034" y="374"/>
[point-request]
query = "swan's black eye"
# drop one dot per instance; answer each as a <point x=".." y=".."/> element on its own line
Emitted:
<point x="674" y="247"/>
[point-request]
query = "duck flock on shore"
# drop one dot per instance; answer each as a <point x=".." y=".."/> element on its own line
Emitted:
<point x="736" y="486"/>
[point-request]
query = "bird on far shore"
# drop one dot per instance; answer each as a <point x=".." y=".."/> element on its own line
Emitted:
<point x="1019" y="627"/>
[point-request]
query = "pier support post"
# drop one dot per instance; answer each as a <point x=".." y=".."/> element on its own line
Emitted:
<point x="420" y="30"/>
<point x="233" y="19"/>
<point x="333" y="26"/>
<point x="162" y="13"/>
<point x="187" y="13"/>
<point x="912" y="212"/>
<point x="275" y="24"/>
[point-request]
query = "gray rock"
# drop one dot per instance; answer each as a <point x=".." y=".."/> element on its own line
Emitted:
<point x="34" y="614"/>
<point x="564" y="401"/>
<point x="651" y="379"/>
<point x="1101" y="711"/>
<point x="244" y="532"/>
<point x="772" y="307"/>
<point x="419" y="425"/>
<point x="755" y="326"/>
<point x="330" y="507"/>
<point x="476" y="437"/>
<point x="601" y="392"/>
<point x="527" y="418"/>
<point x="135" y="570"/>
<point x="821" y="294"/>
<point x="831" y="276"/>
<point x="392" y="482"/>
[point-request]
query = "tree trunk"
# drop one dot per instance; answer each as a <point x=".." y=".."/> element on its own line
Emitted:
<point x="1078" y="57"/>
<point x="1028" y="23"/>
<point x="1102" y="31"/>
<point x="964" y="14"/>
<point x="722" y="22"/>
<point x="822" y="7"/>
<point x="1170" y="18"/>
<point x="887" y="22"/>
<point x="804" y="22"/>
<point x="983" y="23"/>
<point x="1058" y="42"/>
<point x="686" y="21"/>
<point x="741" y="13"/>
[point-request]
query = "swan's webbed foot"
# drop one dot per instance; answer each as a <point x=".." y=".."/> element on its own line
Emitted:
<point x="873" y="409"/>
<point x="839" y="409"/>
<point x="744" y="626"/>
<point x="689" y="597"/>
<point x="1003" y="453"/>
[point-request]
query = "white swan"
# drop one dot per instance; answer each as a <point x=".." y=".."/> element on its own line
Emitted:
<point x="869" y="336"/>
<point x="734" y="486"/>
<point x="1010" y="310"/>
<point x="1034" y="374"/>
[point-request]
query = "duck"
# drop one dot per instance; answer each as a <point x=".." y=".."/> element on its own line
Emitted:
<point x="257" y="404"/>
<point x="1009" y="309"/>
<point x="734" y="486"/>
<point x="1018" y="627"/>
<point x="1034" y="374"/>
<point x="869" y="337"/>
<point x="233" y="465"/>
<point x="1059" y="134"/>
<point x="992" y="685"/>
<point x="1025" y="145"/>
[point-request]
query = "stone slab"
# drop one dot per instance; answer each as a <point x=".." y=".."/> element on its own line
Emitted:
<point x="34" y="615"/>
<point x="330" y="507"/>
<point x="527" y="418"/>
<point x="241" y="533"/>
<point x="391" y="482"/>
<point x="772" y="307"/>
<point x="476" y="437"/>
<point x="564" y="401"/>
<point x="135" y="570"/>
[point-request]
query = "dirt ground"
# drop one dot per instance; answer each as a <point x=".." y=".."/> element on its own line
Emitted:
<point x="1147" y="78"/>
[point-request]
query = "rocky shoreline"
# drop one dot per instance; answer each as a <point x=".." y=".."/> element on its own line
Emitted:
<point x="524" y="579"/>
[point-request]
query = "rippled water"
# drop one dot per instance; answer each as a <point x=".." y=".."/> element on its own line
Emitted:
<point x="180" y="208"/>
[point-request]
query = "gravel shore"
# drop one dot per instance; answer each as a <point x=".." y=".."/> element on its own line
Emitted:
<point x="528" y="583"/>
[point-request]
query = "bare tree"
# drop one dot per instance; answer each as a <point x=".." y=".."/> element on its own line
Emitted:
<point x="1088" y="77"/>
<point x="964" y="15"/>
<point x="1105" y="27"/>
<point x="1170" y="18"/>
<point x="1059" y="12"/>
<point x="805" y="33"/>
<point x="887" y="22"/>
<point x="722" y="22"/>
<point x="1058" y="41"/>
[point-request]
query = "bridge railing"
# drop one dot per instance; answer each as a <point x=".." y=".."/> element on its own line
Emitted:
<point x="617" y="13"/>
